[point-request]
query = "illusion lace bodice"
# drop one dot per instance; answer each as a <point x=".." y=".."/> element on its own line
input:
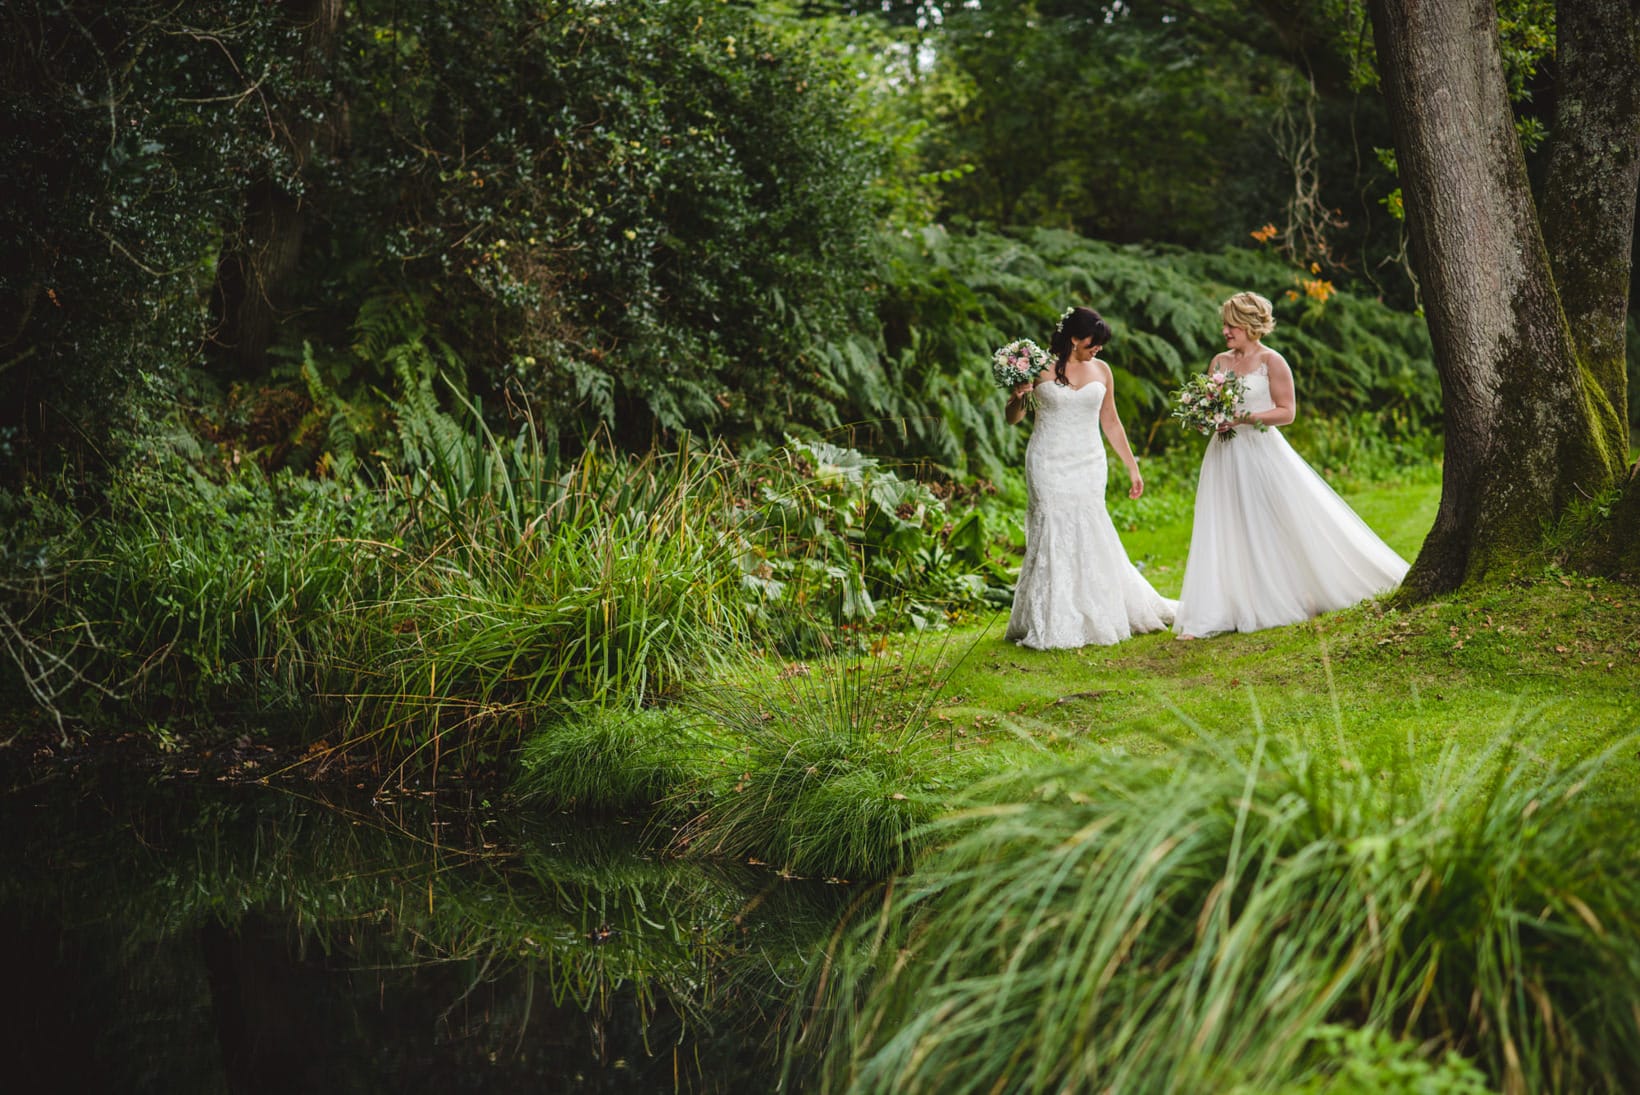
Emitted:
<point x="1076" y="584"/>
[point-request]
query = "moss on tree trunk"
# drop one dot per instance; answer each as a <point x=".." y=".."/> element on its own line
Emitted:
<point x="1532" y="408"/>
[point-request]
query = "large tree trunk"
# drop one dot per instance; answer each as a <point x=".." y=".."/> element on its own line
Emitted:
<point x="1616" y="547"/>
<point x="252" y="279"/>
<point x="1588" y="218"/>
<point x="1526" y="430"/>
<point x="1588" y="199"/>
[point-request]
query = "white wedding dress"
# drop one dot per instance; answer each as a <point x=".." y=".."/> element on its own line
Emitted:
<point x="1076" y="585"/>
<point x="1272" y="543"/>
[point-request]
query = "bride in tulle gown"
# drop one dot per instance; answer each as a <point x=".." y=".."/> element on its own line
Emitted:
<point x="1272" y="544"/>
<point x="1076" y="585"/>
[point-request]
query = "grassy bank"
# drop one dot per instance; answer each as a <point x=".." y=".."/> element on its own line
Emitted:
<point x="1383" y="850"/>
<point x="442" y="613"/>
<point x="1543" y="648"/>
<point x="1257" y="919"/>
<point x="827" y="766"/>
<point x="789" y="664"/>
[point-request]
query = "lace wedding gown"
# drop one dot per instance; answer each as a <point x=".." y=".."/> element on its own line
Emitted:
<point x="1076" y="585"/>
<point x="1272" y="543"/>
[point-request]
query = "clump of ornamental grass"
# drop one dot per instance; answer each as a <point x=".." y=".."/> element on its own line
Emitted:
<point x="607" y="584"/>
<point x="1201" y="921"/>
<point x="214" y="594"/>
<point x="831" y="769"/>
<point x="610" y="759"/>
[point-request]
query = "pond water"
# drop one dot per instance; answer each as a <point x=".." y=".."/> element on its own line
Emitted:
<point x="181" y="935"/>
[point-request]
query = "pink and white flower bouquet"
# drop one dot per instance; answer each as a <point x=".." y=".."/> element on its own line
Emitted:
<point x="1208" y="402"/>
<point x="1018" y="363"/>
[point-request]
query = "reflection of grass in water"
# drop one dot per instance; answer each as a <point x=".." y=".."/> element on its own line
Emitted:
<point x="582" y="920"/>
<point x="1193" y="922"/>
<point x="586" y="911"/>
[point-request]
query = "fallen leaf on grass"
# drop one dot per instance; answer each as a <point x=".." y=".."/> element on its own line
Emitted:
<point x="1077" y="696"/>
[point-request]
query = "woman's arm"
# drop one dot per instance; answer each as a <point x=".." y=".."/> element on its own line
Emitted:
<point x="1016" y="404"/>
<point x="1021" y="398"/>
<point x="1111" y="423"/>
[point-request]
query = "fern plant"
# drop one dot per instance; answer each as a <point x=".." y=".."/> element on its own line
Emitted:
<point x="951" y="298"/>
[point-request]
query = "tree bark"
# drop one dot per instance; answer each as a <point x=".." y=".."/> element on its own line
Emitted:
<point x="1588" y="201"/>
<point x="1526" y="433"/>
<point x="252" y="279"/>
<point x="1615" y="550"/>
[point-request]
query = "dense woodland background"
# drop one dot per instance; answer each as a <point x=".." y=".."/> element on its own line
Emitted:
<point x="286" y="220"/>
<point x="586" y="405"/>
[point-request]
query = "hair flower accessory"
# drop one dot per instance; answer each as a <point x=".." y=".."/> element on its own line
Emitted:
<point x="1059" y="327"/>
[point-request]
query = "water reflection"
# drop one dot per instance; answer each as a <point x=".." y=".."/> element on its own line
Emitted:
<point x="178" y="937"/>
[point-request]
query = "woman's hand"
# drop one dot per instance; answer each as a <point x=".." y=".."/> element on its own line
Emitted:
<point x="1014" y="413"/>
<point x="1237" y="423"/>
<point x="1136" y="483"/>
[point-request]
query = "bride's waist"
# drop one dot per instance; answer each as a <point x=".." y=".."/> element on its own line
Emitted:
<point x="1067" y="447"/>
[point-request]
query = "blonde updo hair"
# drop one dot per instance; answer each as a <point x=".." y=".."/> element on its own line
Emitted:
<point x="1250" y="312"/>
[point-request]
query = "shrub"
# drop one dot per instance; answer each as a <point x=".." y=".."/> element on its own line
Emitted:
<point x="950" y="298"/>
<point x="832" y="770"/>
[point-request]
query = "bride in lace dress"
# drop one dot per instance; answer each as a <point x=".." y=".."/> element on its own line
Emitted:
<point x="1076" y="585"/>
<point x="1272" y="543"/>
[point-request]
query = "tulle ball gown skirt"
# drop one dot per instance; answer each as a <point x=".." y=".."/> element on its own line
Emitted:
<point x="1272" y="543"/>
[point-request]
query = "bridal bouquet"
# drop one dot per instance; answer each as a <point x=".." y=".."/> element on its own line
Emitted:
<point x="1017" y="363"/>
<point x="1208" y="401"/>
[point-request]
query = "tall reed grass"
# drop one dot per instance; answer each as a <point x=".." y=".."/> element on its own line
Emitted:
<point x="221" y="595"/>
<point x="481" y="585"/>
<point x="1202" y="921"/>
<point x="617" y="588"/>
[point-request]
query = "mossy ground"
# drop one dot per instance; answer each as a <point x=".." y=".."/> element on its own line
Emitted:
<point x="1555" y="655"/>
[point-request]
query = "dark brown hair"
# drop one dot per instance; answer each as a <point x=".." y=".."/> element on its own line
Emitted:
<point x="1079" y="323"/>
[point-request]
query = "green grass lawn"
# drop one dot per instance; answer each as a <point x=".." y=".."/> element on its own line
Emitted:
<point x="1411" y="763"/>
<point x="1546" y="654"/>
